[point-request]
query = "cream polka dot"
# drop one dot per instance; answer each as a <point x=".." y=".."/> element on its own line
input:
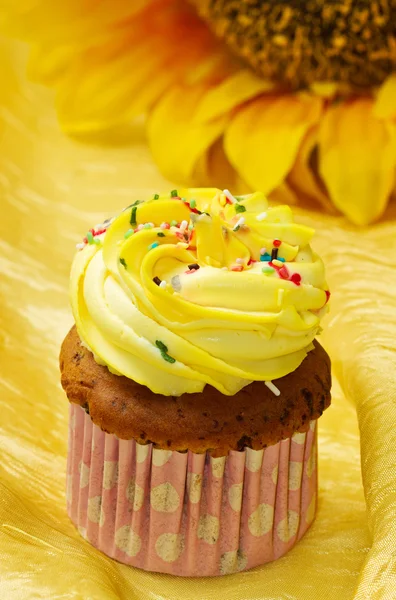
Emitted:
<point x="94" y="509"/>
<point x="311" y="463"/>
<point x="254" y="460"/>
<point x="208" y="529"/>
<point x="260" y="521"/>
<point x="164" y="498"/>
<point x="295" y="474"/>
<point x="141" y="452"/>
<point x="161" y="457"/>
<point x="69" y="488"/>
<point x="194" y="487"/>
<point x="84" y="474"/>
<point x="312" y="425"/>
<point x="218" y="465"/>
<point x="110" y="474"/>
<point x="288" y="527"/>
<point x="169" y="546"/>
<point x="128" y="541"/>
<point x="299" y="438"/>
<point x="232" y="562"/>
<point x="235" y="496"/>
<point x="135" y="494"/>
<point x="82" y="531"/>
<point x="311" y="510"/>
<point x="274" y="474"/>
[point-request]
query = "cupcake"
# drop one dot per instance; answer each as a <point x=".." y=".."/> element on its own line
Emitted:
<point x="195" y="383"/>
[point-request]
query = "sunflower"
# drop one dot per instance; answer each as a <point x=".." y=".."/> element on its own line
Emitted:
<point x="296" y="98"/>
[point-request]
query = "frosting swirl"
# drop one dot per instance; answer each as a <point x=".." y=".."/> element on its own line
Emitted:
<point x="199" y="287"/>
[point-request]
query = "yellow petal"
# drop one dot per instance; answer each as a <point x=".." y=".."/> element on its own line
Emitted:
<point x="385" y="105"/>
<point x="230" y="93"/>
<point x="357" y="157"/>
<point x="302" y="176"/>
<point x="176" y="143"/>
<point x="263" y="139"/>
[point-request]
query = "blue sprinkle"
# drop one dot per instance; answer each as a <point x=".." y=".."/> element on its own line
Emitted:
<point x="153" y="245"/>
<point x="281" y="259"/>
<point x="265" y="257"/>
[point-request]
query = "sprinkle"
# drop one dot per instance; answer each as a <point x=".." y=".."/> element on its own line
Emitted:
<point x="157" y="280"/>
<point x="281" y="293"/>
<point x="173" y="223"/>
<point x="183" y="225"/>
<point x="164" y="351"/>
<point x="239" y="223"/>
<point x="160" y="234"/>
<point x="283" y="272"/>
<point x="165" y="226"/>
<point x="191" y="227"/>
<point x="222" y="200"/>
<point x="133" y="215"/>
<point x="274" y="253"/>
<point x="122" y="261"/>
<point x="265" y="257"/>
<point x="276" y="243"/>
<point x="153" y="245"/>
<point x="224" y="268"/>
<point x="240" y="208"/>
<point x="277" y="263"/>
<point x="268" y="270"/>
<point x="148" y="226"/>
<point x="296" y="278"/>
<point x="174" y="194"/>
<point x="229" y="196"/>
<point x="251" y="261"/>
<point x="272" y="387"/>
<point x="281" y="259"/>
<point x="80" y="246"/>
<point x="263" y="251"/>
<point x="163" y="285"/>
<point x="90" y="238"/>
<point x="97" y="241"/>
<point x="240" y="261"/>
<point x="156" y="196"/>
<point x="237" y="268"/>
<point x="193" y="203"/>
<point x="261" y="216"/>
<point x="168" y="358"/>
<point x="140" y="227"/>
<point x="182" y="245"/>
<point x="327" y="295"/>
<point x="194" y="266"/>
<point x="128" y="233"/>
<point x="175" y="282"/>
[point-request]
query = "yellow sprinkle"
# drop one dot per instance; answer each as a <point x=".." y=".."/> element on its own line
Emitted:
<point x="181" y="245"/>
<point x="222" y="200"/>
<point x="277" y="263"/>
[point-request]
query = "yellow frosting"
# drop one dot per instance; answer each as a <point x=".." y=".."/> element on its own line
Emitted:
<point x="146" y="315"/>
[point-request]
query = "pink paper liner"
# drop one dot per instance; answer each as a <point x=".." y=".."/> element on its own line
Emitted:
<point x="185" y="513"/>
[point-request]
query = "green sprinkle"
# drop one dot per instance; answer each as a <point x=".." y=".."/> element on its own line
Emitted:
<point x="133" y="216"/>
<point x="191" y="226"/>
<point x="160" y="234"/>
<point x="123" y="262"/>
<point x="156" y="196"/>
<point x="236" y="228"/>
<point x="193" y="203"/>
<point x="239" y="208"/>
<point x="147" y="226"/>
<point x="161" y="346"/>
<point x="174" y="194"/>
<point x="268" y="270"/>
<point x="128" y="233"/>
<point x="168" y="358"/>
<point x="97" y="241"/>
<point x="90" y="237"/>
<point x="173" y="223"/>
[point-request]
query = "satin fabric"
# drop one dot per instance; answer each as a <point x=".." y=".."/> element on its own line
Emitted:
<point x="51" y="190"/>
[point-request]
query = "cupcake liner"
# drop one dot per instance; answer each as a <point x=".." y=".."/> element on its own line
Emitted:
<point x="185" y="513"/>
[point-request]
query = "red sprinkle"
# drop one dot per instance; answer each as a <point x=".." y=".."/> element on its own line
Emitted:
<point x="296" y="278"/>
<point x="99" y="231"/>
<point x="190" y="271"/>
<point x="277" y="243"/>
<point x="237" y="268"/>
<point x="283" y="273"/>
<point x="251" y="261"/>
<point x="193" y="210"/>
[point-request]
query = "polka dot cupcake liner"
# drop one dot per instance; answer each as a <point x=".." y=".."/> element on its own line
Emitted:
<point x="184" y="513"/>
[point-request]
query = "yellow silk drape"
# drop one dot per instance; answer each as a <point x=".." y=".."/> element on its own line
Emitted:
<point x="51" y="189"/>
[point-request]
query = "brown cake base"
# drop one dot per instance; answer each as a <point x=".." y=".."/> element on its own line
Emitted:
<point x="206" y="421"/>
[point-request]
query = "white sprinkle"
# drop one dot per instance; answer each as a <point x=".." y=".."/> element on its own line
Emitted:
<point x="272" y="387"/>
<point x="261" y="216"/>
<point x="175" y="281"/>
<point x="239" y="223"/>
<point x="224" y="268"/>
<point x="263" y="251"/>
<point x="163" y="226"/>
<point x="98" y="226"/>
<point x="230" y="197"/>
<point x="163" y="285"/>
<point x="280" y="296"/>
<point x="183" y="225"/>
<point x="80" y="246"/>
<point x="240" y="261"/>
<point x="140" y="227"/>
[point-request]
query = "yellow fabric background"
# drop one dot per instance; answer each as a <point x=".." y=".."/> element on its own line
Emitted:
<point x="51" y="189"/>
